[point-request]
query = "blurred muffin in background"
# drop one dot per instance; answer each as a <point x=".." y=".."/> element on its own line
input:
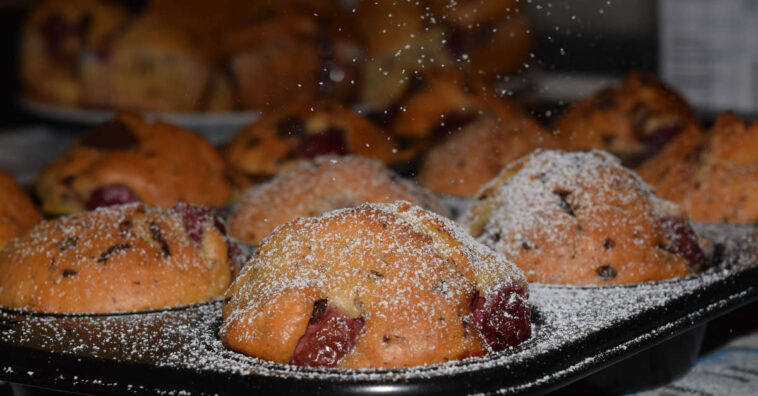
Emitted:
<point x="490" y="38"/>
<point x="401" y="39"/>
<point x="633" y="120"/>
<point x="288" y="54"/>
<point x="477" y="144"/>
<point x="306" y="130"/>
<point x="17" y="212"/>
<point x="130" y="160"/>
<point x="149" y="66"/>
<point x="313" y="187"/>
<point x="55" y="37"/>
<point x="582" y="218"/>
<point x="712" y="174"/>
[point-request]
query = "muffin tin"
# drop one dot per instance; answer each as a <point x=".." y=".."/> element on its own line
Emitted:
<point x="577" y="331"/>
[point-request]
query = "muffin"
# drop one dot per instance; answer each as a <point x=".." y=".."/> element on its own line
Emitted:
<point x="306" y="130"/>
<point x="401" y="40"/>
<point x="485" y="142"/>
<point x="311" y="188"/>
<point x="124" y="258"/>
<point x="54" y="38"/>
<point x="476" y="29"/>
<point x="428" y="104"/>
<point x="713" y="175"/>
<point x="17" y="212"/>
<point x="280" y="48"/>
<point x="381" y="285"/>
<point x="129" y="159"/>
<point x="632" y="120"/>
<point x="582" y="218"/>
<point x="151" y="65"/>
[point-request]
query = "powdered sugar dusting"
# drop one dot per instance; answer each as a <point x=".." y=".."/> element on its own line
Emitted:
<point x="565" y="317"/>
<point x="580" y="209"/>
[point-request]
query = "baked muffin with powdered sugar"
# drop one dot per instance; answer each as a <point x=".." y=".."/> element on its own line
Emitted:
<point x="313" y="187"/>
<point x="123" y="258"/>
<point x="582" y="218"/>
<point x="381" y="285"/>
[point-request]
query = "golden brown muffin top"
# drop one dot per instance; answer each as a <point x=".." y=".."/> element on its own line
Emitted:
<point x="306" y="130"/>
<point x="396" y="265"/>
<point x="162" y="163"/>
<point x="311" y="188"/>
<point x="712" y="174"/>
<point x="635" y="118"/>
<point x="582" y="218"/>
<point x="123" y="258"/>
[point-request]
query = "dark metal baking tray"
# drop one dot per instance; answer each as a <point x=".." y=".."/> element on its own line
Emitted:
<point x="577" y="331"/>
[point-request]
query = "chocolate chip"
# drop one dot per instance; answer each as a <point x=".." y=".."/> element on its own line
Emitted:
<point x="606" y="272"/>
<point x="564" y="203"/>
<point x="113" y="250"/>
<point x="68" y="272"/>
<point x="67" y="243"/>
<point x="227" y="300"/>
<point x="125" y="226"/>
<point x="609" y="244"/>
<point x="319" y="309"/>
<point x="386" y="338"/>
<point x="158" y="237"/>
<point x="111" y="135"/>
<point x="375" y="275"/>
<point x="290" y="126"/>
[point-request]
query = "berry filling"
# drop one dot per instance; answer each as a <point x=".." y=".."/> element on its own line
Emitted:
<point x="503" y="318"/>
<point x="684" y="238"/>
<point x="194" y="217"/>
<point x="658" y="137"/>
<point x="114" y="194"/>
<point x="330" y="335"/>
<point x="331" y="141"/>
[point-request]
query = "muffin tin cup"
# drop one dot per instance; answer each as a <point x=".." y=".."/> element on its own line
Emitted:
<point x="578" y="330"/>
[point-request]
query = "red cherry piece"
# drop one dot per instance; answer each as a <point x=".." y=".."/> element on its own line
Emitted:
<point x="330" y="335"/>
<point x="503" y="317"/>
<point x="662" y="135"/>
<point x="114" y="194"/>
<point x="684" y="238"/>
<point x="194" y="217"/>
<point x="331" y="141"/>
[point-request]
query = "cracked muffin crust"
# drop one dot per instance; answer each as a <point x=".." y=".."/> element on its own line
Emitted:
<point x="129" y="160"/>
<point x="17" y="212"/>
<point x="713" y="175"/>
<point x="582" y="218"/>
<point x="124" y="258"/>
<point x="311" y="188"/>
<point x="381" y="285"/>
